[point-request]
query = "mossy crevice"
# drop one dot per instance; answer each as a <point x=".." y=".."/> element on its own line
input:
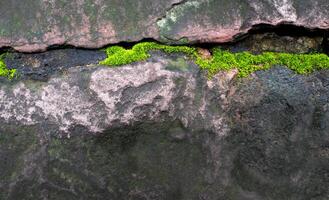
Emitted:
<point x="4" y="71"/>
<point x="245" y="62"/>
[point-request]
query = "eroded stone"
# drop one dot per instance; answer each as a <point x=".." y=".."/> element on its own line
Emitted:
<point x="37" y="25"/>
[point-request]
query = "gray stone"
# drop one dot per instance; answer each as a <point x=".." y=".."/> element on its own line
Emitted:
<point x="271" y="42"/>
<point x="36" y="25"/>
<point x="157" y="130"/>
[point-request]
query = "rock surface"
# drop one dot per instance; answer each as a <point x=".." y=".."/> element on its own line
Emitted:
<point x="161" y="130"/>
<point x="271" y="42"/>
<point x="36" y="25"/>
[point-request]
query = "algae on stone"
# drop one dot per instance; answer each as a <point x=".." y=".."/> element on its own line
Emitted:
<point x="4" y="71"/>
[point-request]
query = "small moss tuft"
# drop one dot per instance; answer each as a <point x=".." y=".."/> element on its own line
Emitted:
<point x="4" y="71"/>
<point x="245" y="62"/>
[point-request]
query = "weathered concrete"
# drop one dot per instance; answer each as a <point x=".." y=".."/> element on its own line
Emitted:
<point x="37" y="24"/>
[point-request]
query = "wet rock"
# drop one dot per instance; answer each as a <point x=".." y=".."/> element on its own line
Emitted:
<point x="160" y="129"/>
<point x="41" y="66"/>
<point x="282" y="135"/>
<point x="37" y="25"/>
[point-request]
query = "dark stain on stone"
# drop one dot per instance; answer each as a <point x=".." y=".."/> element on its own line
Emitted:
<point x="40" y="66"/>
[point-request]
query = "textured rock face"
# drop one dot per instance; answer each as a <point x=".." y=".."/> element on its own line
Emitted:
<point x="271" y="42"/>
<point x="35" y="24"/>
<point x="161" y="130"/>
<point x="102" y="97"/>
<point x="221" y="21"/>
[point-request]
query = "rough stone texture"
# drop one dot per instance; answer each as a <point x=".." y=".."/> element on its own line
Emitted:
<point x="102" y="97"/>
<point x="161" y="130"/>
<point x="271" y="42"/>
<point x="282" y="135"/>
<point x="221" y="21"/>
<point x="37" y="24"/>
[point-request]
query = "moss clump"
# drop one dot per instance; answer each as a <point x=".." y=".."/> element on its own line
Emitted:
<point x="245" y="62"/>
<point x="248" y="63"/>
<point x="4" y="71"/>
<point x="120" y="56"/>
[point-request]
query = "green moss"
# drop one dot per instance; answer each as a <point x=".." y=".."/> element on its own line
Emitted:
<point x="245" y="62"/>
<point x="4" y="71"/>
<point x="248" y="63"/>
<point x="120" y="56"/>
